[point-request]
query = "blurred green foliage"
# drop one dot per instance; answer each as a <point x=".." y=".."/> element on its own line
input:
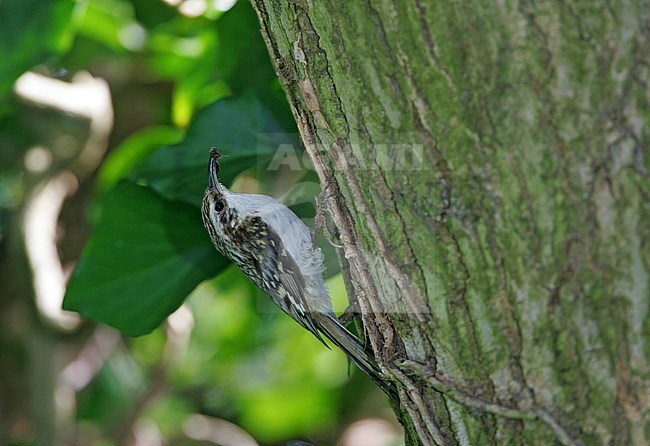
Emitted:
<point x="32" y="31"/>
<point x="180" y="84"/>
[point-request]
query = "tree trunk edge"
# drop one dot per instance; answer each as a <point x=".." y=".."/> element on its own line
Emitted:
<point x="412" y="418"/>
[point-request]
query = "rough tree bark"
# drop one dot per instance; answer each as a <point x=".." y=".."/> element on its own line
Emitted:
<point x="487" y="167"/>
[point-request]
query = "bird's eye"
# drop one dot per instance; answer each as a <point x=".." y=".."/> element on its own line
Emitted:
<point x="218" y="206"/>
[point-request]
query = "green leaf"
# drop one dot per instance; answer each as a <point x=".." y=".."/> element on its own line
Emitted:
<point x="239" y="33"/>
<point x="119" y="164"/>
<point x="31" y="32"/>
<point x="246" y="132"/>
<point x="146" y="255"/>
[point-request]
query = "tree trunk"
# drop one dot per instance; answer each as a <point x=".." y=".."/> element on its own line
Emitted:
<point x="487" y="168"/>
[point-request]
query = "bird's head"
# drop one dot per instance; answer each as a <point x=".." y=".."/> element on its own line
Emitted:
<point x="216" y="212"/>
<point x="213" y="169"/>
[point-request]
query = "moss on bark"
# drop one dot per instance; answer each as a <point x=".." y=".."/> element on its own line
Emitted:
<point x="487" y="166"/>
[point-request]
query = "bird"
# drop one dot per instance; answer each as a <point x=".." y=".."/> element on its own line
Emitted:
<point x="274" y="248"/>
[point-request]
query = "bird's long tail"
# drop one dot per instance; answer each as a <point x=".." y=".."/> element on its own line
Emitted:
<point x="355" y="350"/>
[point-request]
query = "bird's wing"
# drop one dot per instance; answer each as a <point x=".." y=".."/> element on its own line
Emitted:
<point x="280" y="276"/>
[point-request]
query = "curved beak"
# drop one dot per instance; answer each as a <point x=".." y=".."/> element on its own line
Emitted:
<point x="213" y="172"/>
